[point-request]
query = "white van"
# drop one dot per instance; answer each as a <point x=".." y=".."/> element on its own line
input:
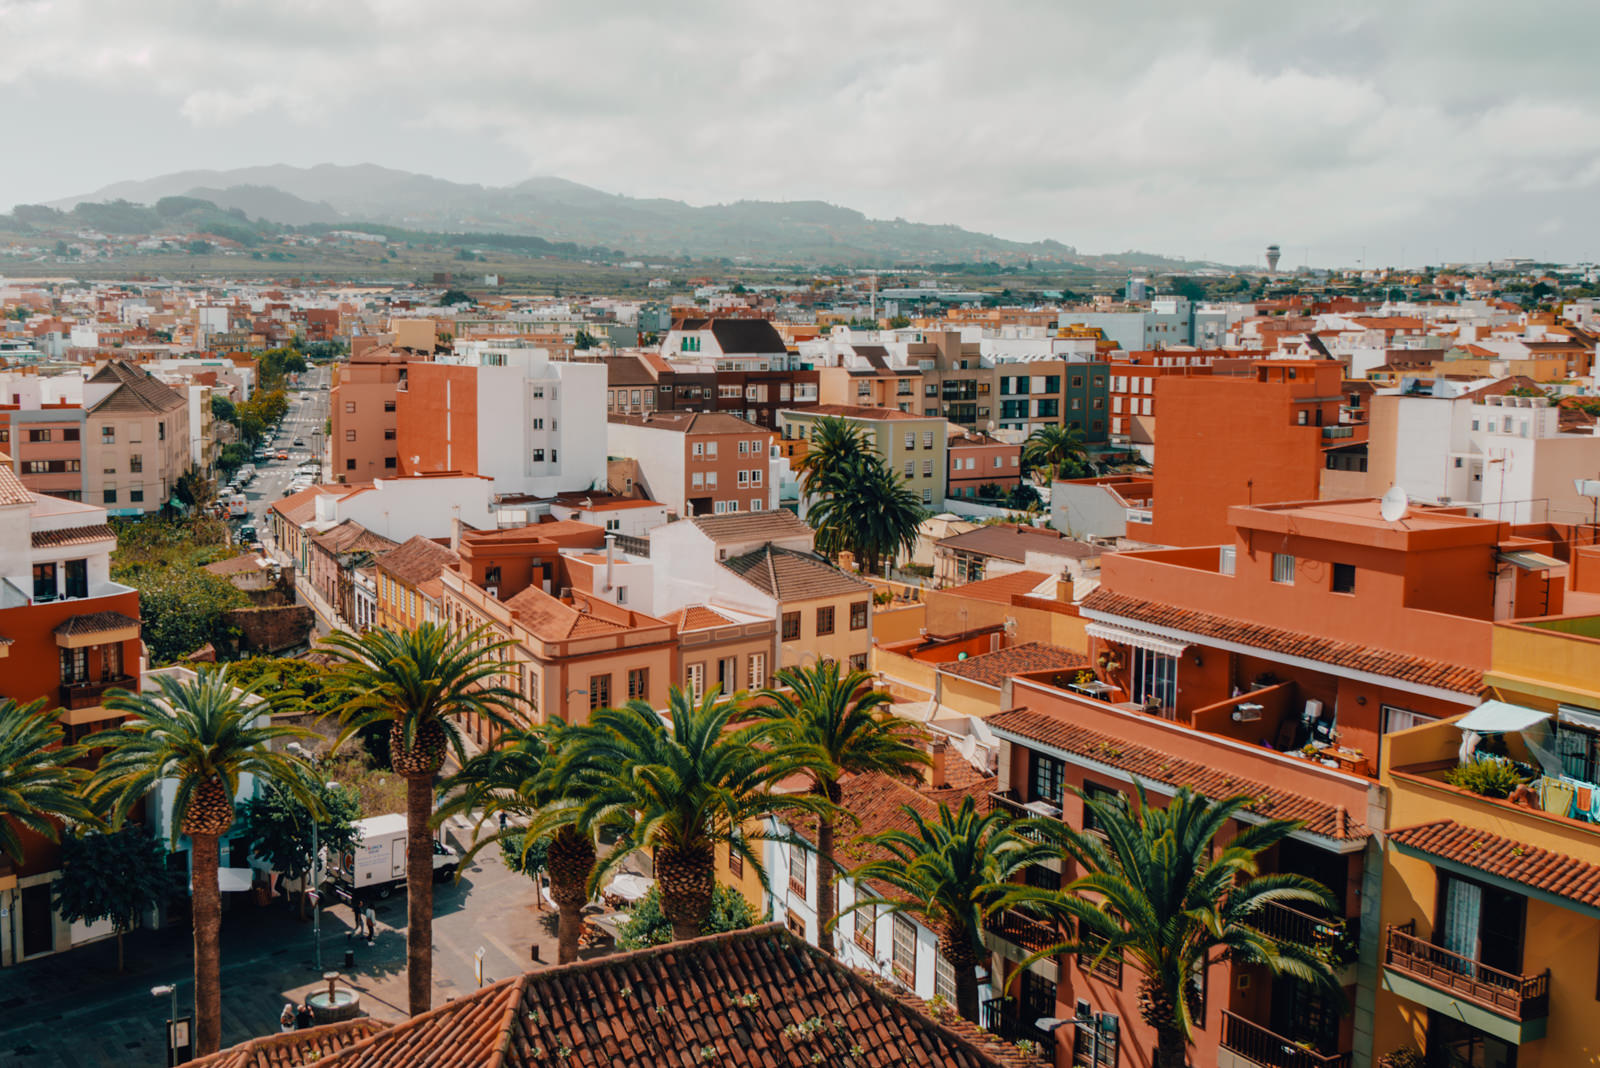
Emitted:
<point x="238" y="507"/>
<point x="378" y="861"/>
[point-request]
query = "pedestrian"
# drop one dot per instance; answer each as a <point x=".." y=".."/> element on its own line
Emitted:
<point x="370" y="914"/>
<point x="286" y="1018"/>
<point x="302" y="1016"/>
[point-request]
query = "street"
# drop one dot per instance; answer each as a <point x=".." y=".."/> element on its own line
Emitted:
<point x="308" y="411"/>
<point x="75" y="1010"/>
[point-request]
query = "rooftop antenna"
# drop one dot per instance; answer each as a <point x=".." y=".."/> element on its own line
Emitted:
<point x="1394" y="505"/>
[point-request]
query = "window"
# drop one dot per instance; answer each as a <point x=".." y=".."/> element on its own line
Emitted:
<point x="696" y="680"/>
<point x="1045" y="777"/>
<point x="1155" y="679"/>
<point x="349" y="407"/>
<point x="389" y="461"/>
<point x="1344" y="578"/>
<point x="757" y="504"/>
<point x="109" y="496"/>
<point x="797" y="870"/>
<point x="735" y="861"/>
<point x="866" y="921"/>
<point x="38" y="435"/>
<point x="791" y="626"/>
<point x="911" y="468"/>
<point x="696" y="480"/>
<point x="944" y="978"/>
<point x="757" y="670"/>
<point x="135" y="496"/>
<point x="44" y="582"/>
<point x="388" y="406"/>
<point x="927" y="496"/>
<point x="74" y="666"/>
<point x="755" y="477"/>
<point x="1094" y="1044"/>
<point x="537" y="456"/>
<point x="858" y="661"/>
<point x="1283" y="568"/>
<point x="639" y="684"/>
<point x="1102" y="795"/>
<point x="858" y="615"/>
<point x="1108" y="967"/>
<point x="728" y="673"/>
<point x="599" y="691"/>
<point x="77" y="578"/>
<point x="491" y="575"/>
<point x="108" y="435"/>
<point x="911" y="439"/>
<point x="927" y="467"/>
<point x="904" y="954"/>
<point x="161" y="431"/>
<point x="136" y="463"/>
<point x="349" y="465"/>
<point x="825" y="620"/>
<point x="349" y="435"/>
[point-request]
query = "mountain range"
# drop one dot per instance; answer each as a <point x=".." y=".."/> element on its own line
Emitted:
<point x="558" y="210"/>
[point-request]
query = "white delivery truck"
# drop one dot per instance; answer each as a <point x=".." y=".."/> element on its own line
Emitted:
<point x="238" y="507"/>
<point x="378" y="861"/>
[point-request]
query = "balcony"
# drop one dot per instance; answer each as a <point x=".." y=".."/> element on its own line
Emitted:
<point x="1259" y="1046"/>
<point x="1424" y="971"/>
<point x="87" y="694"/>
<point x="1283" y="923"/>
<point x="1023" y="930"/>
<point x="1007" y="801"/>
<point x="1005" y="1019"/>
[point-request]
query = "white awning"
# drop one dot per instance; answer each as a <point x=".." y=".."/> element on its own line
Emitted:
<point x="1137" y="638"/>
<point x="1500" y="717"/>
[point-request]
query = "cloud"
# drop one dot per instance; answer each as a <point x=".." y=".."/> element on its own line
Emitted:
<point x="1195" y="129"/>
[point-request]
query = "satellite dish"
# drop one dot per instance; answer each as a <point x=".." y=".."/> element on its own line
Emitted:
<point x="1394" y="505"/>
<point x="991" y="426"/>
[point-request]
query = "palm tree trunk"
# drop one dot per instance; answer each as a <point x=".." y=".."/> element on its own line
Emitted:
<point x="207" y="944"/>
<point x="956" y="945"/>
<point x="825" y="900"/>
<point x="569" y="860"/>
<point x="1171" y="1049"/>
<point x="419" y="893"/>
<point x="687" y="879"/>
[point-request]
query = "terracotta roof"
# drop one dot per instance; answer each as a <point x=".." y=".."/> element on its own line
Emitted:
<point x="94" y="623"/>
<point x="12" y="491"/>
<point x="752" y="526"/>
<point x="554" y="619"/>
<point x="1403" y="666"/>
<point x="299" y="508"/>
<point x="1154" y="765"/>
<point x="698" y="617"/>
<point x="350" y="537"/>
<point x="692" y="423"/>
<point x="295" y="1048"/>
<point x="746" y="997"/>
<point x="135" y="391"/>
<point x="417" y="560"/>
<point x="786" y="575"/>
<point x="992" y="669"/>
<point x="1013" y="541"/>
<point x="57" y="539"/>
<point x="1001" y="588"/>
<point x="1542" y="869"/>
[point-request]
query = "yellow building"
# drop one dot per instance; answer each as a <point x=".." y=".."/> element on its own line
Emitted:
<point x="1491" y="906"/>
<point x="408" y="587"/>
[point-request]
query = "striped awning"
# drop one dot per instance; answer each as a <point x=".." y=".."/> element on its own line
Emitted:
<point x="1137" y="638"/>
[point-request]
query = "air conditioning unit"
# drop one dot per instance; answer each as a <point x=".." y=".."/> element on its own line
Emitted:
<point x="492" y="591"/>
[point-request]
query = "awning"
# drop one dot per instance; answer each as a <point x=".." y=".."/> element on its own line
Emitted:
<point x="1579" y="717"/>
<point x="1500" y="717"/>
<point x="1529" y="561"/>
<point x="1136" y="638"/>
<point x="95" y="628"/>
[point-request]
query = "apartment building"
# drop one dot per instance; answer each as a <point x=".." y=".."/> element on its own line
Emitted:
<point x="363" y="410"/>
<point x="1040" y="393"/>
<point x="723" y="647"/>
<point x="68" y="634"/>
<point x="1132" y="381"/>
<point x="135" y="439"/>
<point x="408" y="588"/>
<point x="46" y="447"/>
<point x="698" y="463"/>
<point x="1238" y="440"/>
<point x="977" y="459"/>
<point x="509" y="414"/>
<point x="912" y="446"/>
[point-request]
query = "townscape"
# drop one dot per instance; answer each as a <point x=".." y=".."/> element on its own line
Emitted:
<point x="496" y="620"/>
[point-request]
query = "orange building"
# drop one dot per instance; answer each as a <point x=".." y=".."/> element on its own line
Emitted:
<point x="976" y="459"/>
<point x="361" y="408"/>
<point x="1238" y="440"/>
<point x="46" y="445"/>
<point x="698" y="463"/>
<point x="1133" y="386"/>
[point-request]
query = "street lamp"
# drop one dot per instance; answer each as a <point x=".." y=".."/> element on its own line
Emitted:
<point x="315" y="889"/>
<point x="169" y="990"/>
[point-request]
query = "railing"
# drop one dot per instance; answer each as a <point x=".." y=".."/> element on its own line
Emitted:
<point x="1516" y="997"/>
<point x="85" y="694"/>
<point x="1270" y="1050"/>
<point x="631" y="544"/>
<point x="1006" y="801"/>
<point x="1285" y="924"/>
<point x="1338" y="431"/>
<point x="1003" y="1018"/>
<point x="1023" y="930"/>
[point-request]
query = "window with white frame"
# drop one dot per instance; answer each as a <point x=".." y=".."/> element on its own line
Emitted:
<point x="757" y="670"/>
<point x="1155" y="678"/>
<point x="1283" y="568"/>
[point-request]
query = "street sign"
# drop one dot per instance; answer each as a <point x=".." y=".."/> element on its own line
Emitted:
<point x="180" y="1047"/>
<point x="477" y="965"/>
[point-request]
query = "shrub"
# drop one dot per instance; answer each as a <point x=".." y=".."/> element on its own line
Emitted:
<point x="1489" y="778"/>
<point x="649" y="926"/>
<point x="1403" y="1057"/>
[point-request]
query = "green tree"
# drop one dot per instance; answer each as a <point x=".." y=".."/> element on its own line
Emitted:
<point x="299" y="685"/>
<point x="835" y="725"/>
<point x="522" y="777"/>
<point x="276" y="826"/>
<point x="39" y="785"/>
<point x="584" y="340"/>
<point x="679" y="790"/>
<point x="115" y="875"/>
<point x="949" y="873"/>
<point x="193" y="488"/>
<point x="835" y="447"/>
<point x="870" y="512"/>
<point x="1163" y="892"/>
<point x="222" y="408"/>
<point x="648" y="924"/>
<point x="454" y="296"/>
<point x="419" y="683"/>
<point x="899" y="322"/>
<point x="1022" y="496"/>
<point x="198" y="247"/>
<point x="234" y="455"/>
<point x="204" y="736"/>
<point x="1056" y="448"/>
<point x="181" y="608"/>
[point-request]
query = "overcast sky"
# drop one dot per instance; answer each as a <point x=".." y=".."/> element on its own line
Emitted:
<point x="1400" y="131"/>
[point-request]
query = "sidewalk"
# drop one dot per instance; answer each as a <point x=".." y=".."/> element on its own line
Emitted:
<point x="74" y="1009"/>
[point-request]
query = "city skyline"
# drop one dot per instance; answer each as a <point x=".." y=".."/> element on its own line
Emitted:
<point x="1349" y="137"/>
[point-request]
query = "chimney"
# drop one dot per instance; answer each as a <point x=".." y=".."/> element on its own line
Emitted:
<point x="611" y="552"/>
<point x="937" y="779"/>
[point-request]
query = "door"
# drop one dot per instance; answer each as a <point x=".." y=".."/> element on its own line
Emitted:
<point x="38" y="922"/>
<point x="77" y="578"/>
<point x="397" y="858"/>
<point x="1462" y="929"/>
<point x="1455" y="1044"/>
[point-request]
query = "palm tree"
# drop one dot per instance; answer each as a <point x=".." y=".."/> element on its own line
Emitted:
<point x="835" y="444"/>
<point x="203" y="735"/>
<point x="835" y="725"/>
<point x="1153" y="891"/>
<point x="870" y="511"/>
<point x="518" y="778"/>
<point x="950" y="871"/>
<point x="419" y="682"/>
<point x="679" y="790"/>
<point x="38" y="783"/>
<point x="1055" y="447"/>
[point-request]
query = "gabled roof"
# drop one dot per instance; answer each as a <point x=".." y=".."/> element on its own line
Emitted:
<point x="136" y="391"/>
<point x="1155" y="765"/>
<point x="878" y="802"/>
<point x="992" y="669"/>
<point x="1001" y="588"/>
<point x="747" y="526"/>
<point x="349" y="537"/>
<point x="553" y="619"/>
<point x="1013" y="541"/>
<point x="92" y="623"/>
<point x="698" y="617"/>
<point x="1542" y="869"/>
<point x="786" y="575"/>
<point x="12" y="491"/>
<point x="748" y="997"/>
<point x="417" y="560"/>
<point x="295" y="1049"/>
<point x="755" y="337"/>
<point x="1403" y="666"/>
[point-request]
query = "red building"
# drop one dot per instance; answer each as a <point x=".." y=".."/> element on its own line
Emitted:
<point x="976" y="460"/>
